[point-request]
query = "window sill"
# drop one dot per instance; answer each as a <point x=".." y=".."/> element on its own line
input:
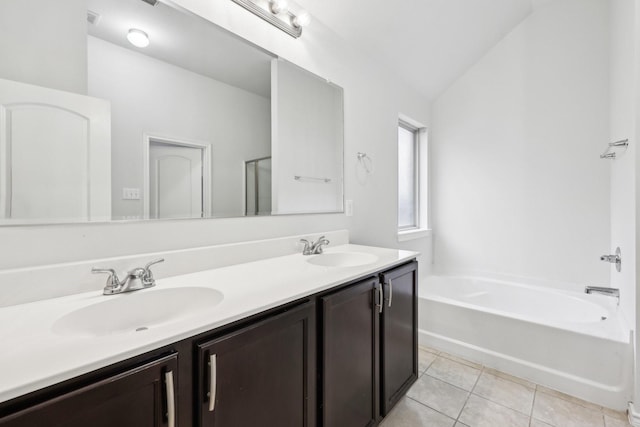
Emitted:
<point x="415" y="233"/>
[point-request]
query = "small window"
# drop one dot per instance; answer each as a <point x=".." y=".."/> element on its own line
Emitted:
<point x="408" y="173"/>
<point x="412" y="180"/>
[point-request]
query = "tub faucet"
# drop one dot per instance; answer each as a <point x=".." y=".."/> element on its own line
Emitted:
<point x="613" y="259"/>
<point x="313" y="248"/>
<point x="612" y="292"/>
<point x="136" y="279"/>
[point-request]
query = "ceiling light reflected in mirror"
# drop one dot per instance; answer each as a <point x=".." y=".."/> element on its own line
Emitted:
<point x="138" y="38"/>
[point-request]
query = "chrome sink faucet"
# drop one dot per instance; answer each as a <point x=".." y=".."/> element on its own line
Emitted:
<point x="136" y="279"/>
<point x="612" y="292"/>
<point x="314" y="248"/>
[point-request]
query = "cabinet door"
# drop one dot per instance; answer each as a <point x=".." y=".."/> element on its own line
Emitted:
<point x="141" y="397"/>
<point x="399" y="333"/>
<point x="350" y="355"/>
<point x="262" y="375"/>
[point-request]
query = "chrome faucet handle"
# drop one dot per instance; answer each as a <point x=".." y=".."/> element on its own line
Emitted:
<point x="316" y="248"/>
<point x="307" y="247"/>
<point x="112" y="281"/>
<point x="147" y="275"/>
<point x="614" y="259"/>
<point x="157" y="261"/>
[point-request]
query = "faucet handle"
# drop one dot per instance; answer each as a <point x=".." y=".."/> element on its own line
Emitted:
<point x="317" y="246"/>
<point x="147" y="276"/>
<point x="112" y="280"/>
<point x="307" y="247"/>
<point x="157" y="261"/>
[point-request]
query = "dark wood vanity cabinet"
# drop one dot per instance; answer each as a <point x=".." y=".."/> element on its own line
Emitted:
<point x="261" y="375"/>
<point x="340" y="358"/>
<point x="398" y="334"/>
<point x="350" y="362"/>
<point x="143" y="396"/>
<point x="369" y="347"/>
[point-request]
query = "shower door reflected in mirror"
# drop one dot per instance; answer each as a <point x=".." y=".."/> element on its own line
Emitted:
<point x="258" y="187"/>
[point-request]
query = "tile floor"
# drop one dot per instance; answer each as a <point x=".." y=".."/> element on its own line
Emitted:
<point x="453" y="392"/>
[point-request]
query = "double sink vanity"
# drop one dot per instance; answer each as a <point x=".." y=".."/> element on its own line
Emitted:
<point x="319" y="340"/>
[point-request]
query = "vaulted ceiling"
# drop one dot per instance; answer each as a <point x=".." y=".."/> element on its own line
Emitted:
<point x="428" y="43"/>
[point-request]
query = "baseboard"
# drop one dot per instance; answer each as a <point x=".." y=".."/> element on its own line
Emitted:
<point x="634" y="416"/>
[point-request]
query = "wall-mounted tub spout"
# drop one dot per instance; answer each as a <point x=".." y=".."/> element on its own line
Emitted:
<point x="612" y="292"/>
<point x="614" y="259"/>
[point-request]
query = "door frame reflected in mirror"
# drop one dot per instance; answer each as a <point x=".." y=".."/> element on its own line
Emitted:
<point x="205" y="147"/>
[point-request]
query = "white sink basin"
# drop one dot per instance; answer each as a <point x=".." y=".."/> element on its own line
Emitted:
<point x="137" y="311"/>
<point x="342" y="259"/>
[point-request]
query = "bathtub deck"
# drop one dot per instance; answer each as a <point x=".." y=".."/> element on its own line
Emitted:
<point x="454" y="392"/>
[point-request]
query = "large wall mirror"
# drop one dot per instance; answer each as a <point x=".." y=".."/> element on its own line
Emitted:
<point x="197" y="123"/>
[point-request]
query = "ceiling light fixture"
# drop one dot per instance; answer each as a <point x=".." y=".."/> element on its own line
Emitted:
<point x="138" y="38"/>
<point x="277" y="13"/>
<point x="301" y="20"/>
<point x="278" y="6"/>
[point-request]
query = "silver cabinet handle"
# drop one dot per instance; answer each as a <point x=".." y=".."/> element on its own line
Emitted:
<point x="212" y="382"/>
<point x="171" y="399"/>
<point x="381" y="298"/>
<point x="390" y="292"/>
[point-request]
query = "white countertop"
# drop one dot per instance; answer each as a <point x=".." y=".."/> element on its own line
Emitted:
<point x="33" y="356"/>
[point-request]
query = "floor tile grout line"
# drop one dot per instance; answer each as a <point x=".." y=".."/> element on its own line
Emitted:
<point x="448" y="383"/>
<point x="533" y="404"/>
<point x="433" y="409"/>
<point x="498" y="403"/>
<point x="467" y="399"/>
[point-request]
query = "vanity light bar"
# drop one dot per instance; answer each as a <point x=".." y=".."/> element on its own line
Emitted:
<point x="285" y="20"/>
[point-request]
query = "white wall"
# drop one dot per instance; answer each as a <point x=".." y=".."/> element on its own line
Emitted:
<point x="635" y="90"/>
<point x="151" y="96"/>
<point x="518" y="186"/>
<point x="51" y="52"/>
<point x="624" y="110"/>
<point x="373" y="100"/>
<point x="306" y="140"/>
<point x="623" y="169"/>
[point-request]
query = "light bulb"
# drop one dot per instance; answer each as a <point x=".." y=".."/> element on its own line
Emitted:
<point x="138" y="38"/>
<point x="302" y="19"/>
<point x="279" y="6"/>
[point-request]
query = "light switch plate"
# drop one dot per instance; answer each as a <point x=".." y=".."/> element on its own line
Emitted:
<point x="130" y="194"/>
<point x="348" y="210"/>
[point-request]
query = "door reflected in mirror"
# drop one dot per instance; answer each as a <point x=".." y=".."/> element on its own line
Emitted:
<point x="172" y="129"/>
<point x="176" y="178"/>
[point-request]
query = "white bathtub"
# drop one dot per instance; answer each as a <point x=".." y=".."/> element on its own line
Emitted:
<point x="569" y="341"/>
